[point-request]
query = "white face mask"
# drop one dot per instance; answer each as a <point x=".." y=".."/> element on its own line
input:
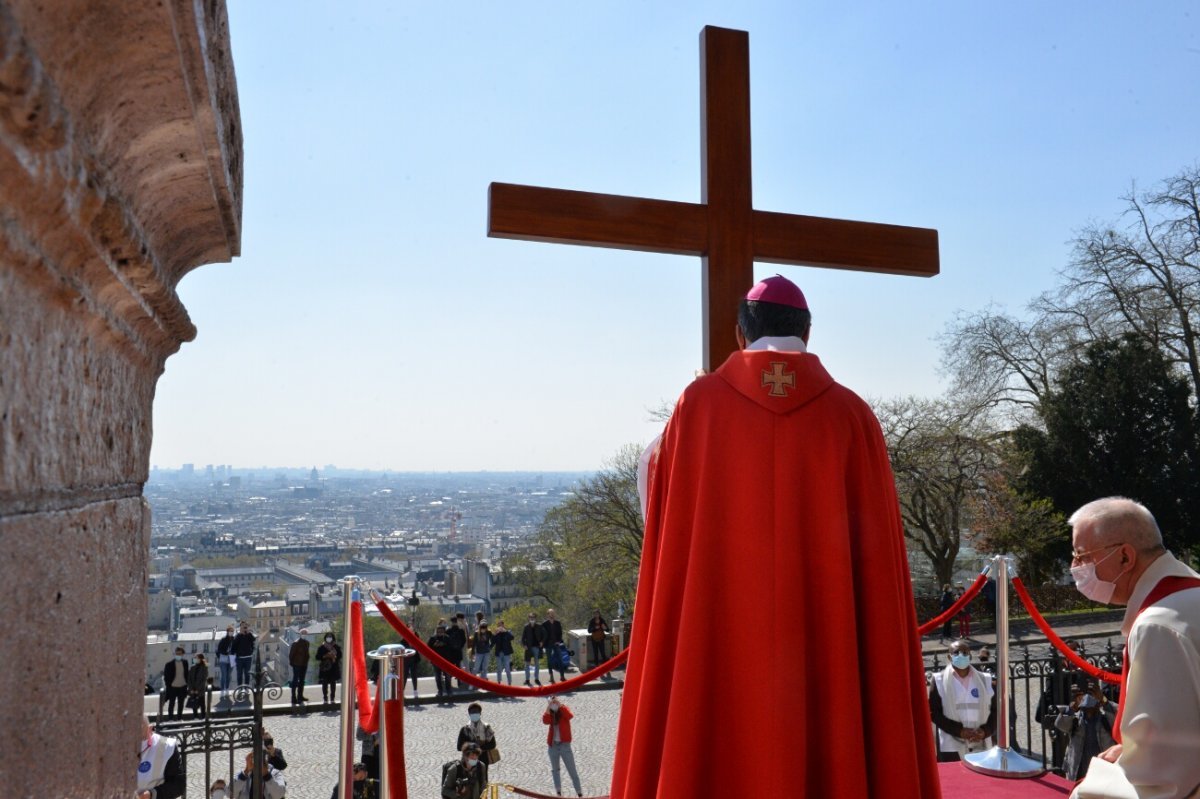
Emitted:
<point x="472" y="762"/>
<point x="219" y="793"/>
<point x="1092" y="586"/>
<point x="475" y="717"/>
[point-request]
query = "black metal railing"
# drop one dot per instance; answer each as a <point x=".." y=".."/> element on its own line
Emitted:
<point x="1040" y="681"/>
<point x="233" y="723"/>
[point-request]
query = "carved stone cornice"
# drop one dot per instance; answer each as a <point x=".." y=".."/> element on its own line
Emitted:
<point x="120" y="158"/>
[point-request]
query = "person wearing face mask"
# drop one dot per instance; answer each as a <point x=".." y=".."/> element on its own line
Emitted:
<point x="329" y="667"/>
<point x="197" y="686"/>
<point x="558" y="742"/>
<point x="1087" y="724"/>
<point x="464" y="777"/>
<point x="175" y="684"/>
<point x="160" y="767"/>
<point x="476" y="732"/>
<point x="962" y="704"/>
<point x="1119" y="559"/>
<point x="218" y="790"/>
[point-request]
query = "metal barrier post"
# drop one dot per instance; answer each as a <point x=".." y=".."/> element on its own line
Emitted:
<point x="391" y="684"/>
<point x="1001" y="760"/>
<point x="346" y="747"/>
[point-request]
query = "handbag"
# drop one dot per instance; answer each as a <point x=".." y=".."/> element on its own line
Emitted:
<point x="492" y="755"/>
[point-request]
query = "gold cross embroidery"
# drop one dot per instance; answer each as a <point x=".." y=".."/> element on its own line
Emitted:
<point x="777" y="379"/>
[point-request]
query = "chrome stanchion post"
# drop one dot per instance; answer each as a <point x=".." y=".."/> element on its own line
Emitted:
<point x="391" y="683"/>
<point x="346" y="741"/>
<point x="1001" y="760"/>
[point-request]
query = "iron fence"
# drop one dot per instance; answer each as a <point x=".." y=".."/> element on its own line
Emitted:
<point x="1039" y="681"/>
<point x="224" y="728"/>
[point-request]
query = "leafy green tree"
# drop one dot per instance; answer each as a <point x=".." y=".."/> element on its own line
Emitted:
<point x="1119" y="422"/>
<point x="587" y="550"/>
<point x="1006" y="520"/>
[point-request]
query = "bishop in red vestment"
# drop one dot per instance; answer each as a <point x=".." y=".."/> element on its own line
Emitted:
<point x="774" y="650"/>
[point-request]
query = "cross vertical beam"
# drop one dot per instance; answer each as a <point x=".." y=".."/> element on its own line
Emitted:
<point x="728" y="263"/>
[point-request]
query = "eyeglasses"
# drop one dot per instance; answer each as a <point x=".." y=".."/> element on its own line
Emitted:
<point x="1077" y="558"/>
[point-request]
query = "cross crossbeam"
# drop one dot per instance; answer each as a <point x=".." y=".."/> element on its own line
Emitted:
<point x="724" y="229"/>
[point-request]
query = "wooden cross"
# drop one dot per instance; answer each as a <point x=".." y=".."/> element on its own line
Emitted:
<point x="724" y="229"/>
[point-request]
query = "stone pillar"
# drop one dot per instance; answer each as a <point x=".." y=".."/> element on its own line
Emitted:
<point x="120" y="171"/>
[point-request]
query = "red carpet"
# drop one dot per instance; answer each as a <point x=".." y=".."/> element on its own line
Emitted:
<point x="958" y="782"/>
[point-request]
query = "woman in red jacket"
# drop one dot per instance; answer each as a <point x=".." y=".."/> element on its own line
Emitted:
<point x="558" y="738"/>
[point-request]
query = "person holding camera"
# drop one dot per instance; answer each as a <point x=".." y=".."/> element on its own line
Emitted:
<point x="962" y="704"/>
<point x="464" y="777"/>
<point x="558" y="742"/>
<point x="329" y="668"/>
<point x="273" y="784"/>
<point x="1088" y="724"/>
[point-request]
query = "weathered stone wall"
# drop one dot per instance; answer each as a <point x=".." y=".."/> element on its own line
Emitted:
<point x="120" y="170"/>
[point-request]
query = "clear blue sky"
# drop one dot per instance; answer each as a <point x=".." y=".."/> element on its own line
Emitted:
<point x="371" y="323"/>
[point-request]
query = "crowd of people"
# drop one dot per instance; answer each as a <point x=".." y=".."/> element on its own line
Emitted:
<point x="480" y="650"/>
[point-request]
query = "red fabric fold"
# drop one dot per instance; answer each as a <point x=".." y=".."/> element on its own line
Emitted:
<point x="953" y="610"/>
<point x="440" y="662"/>
<point x="1059" y="644"/>
<point x="368" y="711"/>
<point x="393" y="720"/>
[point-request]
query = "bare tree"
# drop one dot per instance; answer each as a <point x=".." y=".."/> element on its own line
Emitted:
<point x="942" y="455"/>
<point x="1140" y="275"/>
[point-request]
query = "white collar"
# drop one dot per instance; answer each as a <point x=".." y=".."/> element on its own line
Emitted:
<point x="778" y="344"/>
<point x="1165" y="565"/>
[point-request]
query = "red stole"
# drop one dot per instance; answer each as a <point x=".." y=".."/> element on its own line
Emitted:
<point x="1163" y="589"/>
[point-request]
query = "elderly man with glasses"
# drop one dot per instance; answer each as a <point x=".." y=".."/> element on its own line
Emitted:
<point x="1119" y="559"/>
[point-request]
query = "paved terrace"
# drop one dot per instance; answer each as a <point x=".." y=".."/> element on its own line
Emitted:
<point x="309" y="740"/>
<point x="310" y="744"/>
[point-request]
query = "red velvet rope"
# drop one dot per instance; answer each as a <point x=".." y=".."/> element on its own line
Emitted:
<point x="1059" y="644"/>
<point x="393" y="720"/>
<point x="368" y="712"/>
<point x="440" y="662"/>
<point x="953" y="610"/>
<point x="524" y="792"/>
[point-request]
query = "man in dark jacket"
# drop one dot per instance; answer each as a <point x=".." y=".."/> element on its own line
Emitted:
<point x="458" y="638"/>
<point x="554" y="635"/>
<point x="175" y="684"/>
<point x="440" y="642"/>
<point x="225" y="660"/>
<point x="533" y="638"/>
<point x="243" y="651"/>
<point x="298" y="659"/>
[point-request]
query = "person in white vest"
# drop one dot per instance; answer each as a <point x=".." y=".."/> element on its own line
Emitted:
<point x="962" y="705"/>
<point x="160" y="768"/>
